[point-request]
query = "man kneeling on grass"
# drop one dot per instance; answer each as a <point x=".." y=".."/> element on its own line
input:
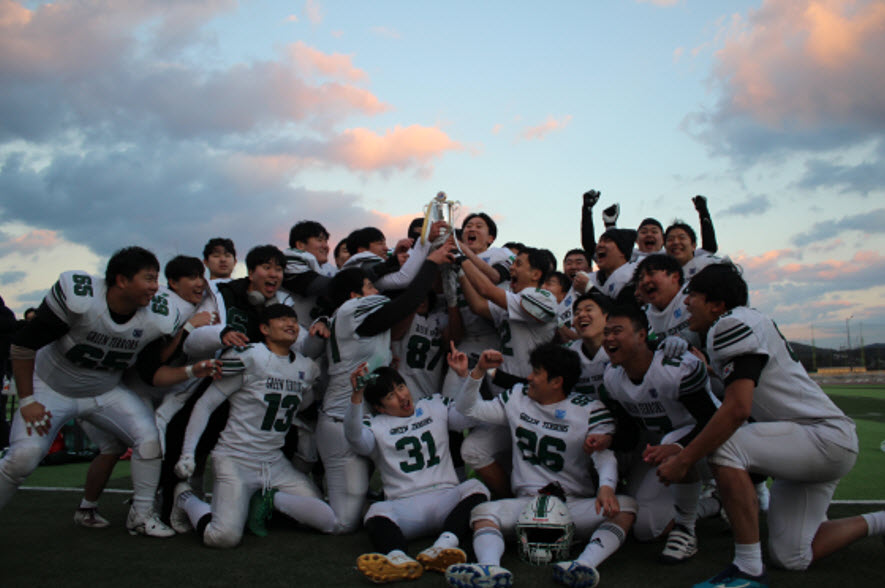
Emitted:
<point x="265" y="383"/>
<point x="409" y="443"/>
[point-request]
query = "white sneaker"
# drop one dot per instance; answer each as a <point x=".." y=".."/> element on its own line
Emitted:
<point x="575" y="574"/>
<point x="394" y="566"/>
<point x="178" y="518"/>
<point x="147" y="524"/>
<point x="89" y="517"/>
<point x="478" y="575"/>
<point x="437" y="559"/>
<point x="681" y="545"/>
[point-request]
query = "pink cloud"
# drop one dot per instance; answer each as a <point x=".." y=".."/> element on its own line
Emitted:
<point x="31" y="241"/>
<point x="549" y="125"/>
<point x="309" y="60"/>
<point x="806" y="62"/>
<point x="400" y="147"/>
<point x="313" y="11"/>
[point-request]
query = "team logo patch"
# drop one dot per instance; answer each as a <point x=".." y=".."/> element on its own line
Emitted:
<point x="300" y="375"/>
<point x="653" y="393"/>
<point x="419" y="412"/>
<point x="559" y="413"/>
<point x="678" y="313"/>
<point x="727" y="370"/>
<point x="137" y="332"/>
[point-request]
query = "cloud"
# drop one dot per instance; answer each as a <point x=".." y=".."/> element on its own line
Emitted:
<point x="309" y="60"/>
<point x="660" y="2"/>
<point x="29" y="242"/>
<point x="863" y="178"/>
<point x="386" y="32"/>
<point x="753" y="205"/>
<point x="398" y="148"/>
<point x="540" y="131"/>
<point x="11" y="277"/>
<point x="869" y="222"/>
<point x="797" y="76"/>
<point x="313" y="11"/>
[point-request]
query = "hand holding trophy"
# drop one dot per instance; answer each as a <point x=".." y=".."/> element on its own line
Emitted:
<point x="438" y="209"/>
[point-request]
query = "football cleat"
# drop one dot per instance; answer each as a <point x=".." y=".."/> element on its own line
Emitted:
<point x="393" y="567"/>
<point x="478" y="575"/>
<point x="147" y="524"/>
<point x="437" y="559"/>
<point x="260" y="511"/>
<point x="732" y="577"/>
<point x="681" y="545"/>
<point x="89" y="517"/>
<point x="575" y="574"/>
<point x="178" y="518"/>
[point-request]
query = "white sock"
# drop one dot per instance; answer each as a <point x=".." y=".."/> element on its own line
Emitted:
<point x="195" y="508"/>
<point x="748" y="558"/>
<point x="606" y="540"/>
<point x="446" y="540"/>
<point x="145" y="478"/>
<point x="488" y="544"/>
<point x="686" y="502"/>
<point x="875" y="522"/>
<point x="88" y="504"/>
<point x="313" y="512"/>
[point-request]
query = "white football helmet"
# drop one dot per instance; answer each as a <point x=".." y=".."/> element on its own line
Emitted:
<point x="545" y="531"/>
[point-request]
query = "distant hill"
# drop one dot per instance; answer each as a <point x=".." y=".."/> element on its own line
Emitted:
<point x="872" y="356"/>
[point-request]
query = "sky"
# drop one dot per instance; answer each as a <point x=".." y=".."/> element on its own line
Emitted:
<point x="164" y="123"/>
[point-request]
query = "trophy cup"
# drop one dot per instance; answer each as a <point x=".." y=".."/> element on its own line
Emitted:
<point x="439" y="209"/>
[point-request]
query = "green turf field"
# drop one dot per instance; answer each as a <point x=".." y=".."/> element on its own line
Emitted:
<point x="39" y="544"/>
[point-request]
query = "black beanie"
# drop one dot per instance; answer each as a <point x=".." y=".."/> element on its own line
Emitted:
<point x="623" y="238"/>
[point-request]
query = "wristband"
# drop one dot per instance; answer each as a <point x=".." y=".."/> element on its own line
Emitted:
<point x="188" y="327"/>
<point x="189" y="371"/>
<point x="23" y="402"/>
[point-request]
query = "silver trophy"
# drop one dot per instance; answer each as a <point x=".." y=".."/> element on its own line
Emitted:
<point x="439" y="209"/>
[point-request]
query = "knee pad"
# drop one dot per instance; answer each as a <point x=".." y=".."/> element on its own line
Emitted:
<point x="148" y="449"/>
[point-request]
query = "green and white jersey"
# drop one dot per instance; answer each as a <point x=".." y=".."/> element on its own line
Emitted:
<point x="655" y="402"/>
<point x="592" y="369"/>
<point x="412" y="453"/>
<point x="549" y="438"/>
<point x="421" y="355"/>
<point x="475" y="326"/>
<point x="345" y="350"/>
<point x="564" y="309"/>
<point x="616" y="281"/>
<point x="265" y="391"/>
<point x="784" y="392"/>
<point x="697" y="263"/>
<point x="672" y="320"/>
<point x="528" y="321"/>
<point x="90" y="358"/>
<point x="300" y="262"/>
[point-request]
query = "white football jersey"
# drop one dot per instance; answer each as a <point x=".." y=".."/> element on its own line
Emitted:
<point x="592" y="369"/>
<point x="346" y="350"/>
<point x="265" y="391"/>
<point x="698" y="262"/>
<point x="672" y="320"/>
<point x="784" y="392"/>
<point x="548" y="438"/>
<point x="655" y="402"/>
<point x="564" y="309"/>
<point x="90" y="358"/>
<point x="617" y="280"/>
<point x="300" y="262"/>
<point x="475" y="326"/>
<point x="528" y="321"/>
<point x="421" y="354"/>
<point x="412" y="453"/>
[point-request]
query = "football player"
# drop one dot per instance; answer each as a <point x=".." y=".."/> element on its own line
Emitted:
<point x="659" y="281"/>
<point x="308" y="272"/>
<point x="360" y="332"/>
<point x="798" y="436"/>
<point x="548" y="424"/>
<point x="368" y="251"/>
<point x="265" y="383"/>
<point x="68" y="362"/>
<point x="409" y="442"/>
<point x="613" y="253"/>
<point x="525" y="317"/>
<point x="590" y="312"/>
<point x="680" y="242"/>
<point x="661" y="403"/>
<point x="419" y="345"/>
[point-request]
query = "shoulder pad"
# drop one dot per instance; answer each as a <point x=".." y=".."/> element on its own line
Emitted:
<point x="299" y="262"/>
<point x="74" y="293"/>
<point x="164" y="314"/>
<point x="732" y="335"/>
<point x="539" y="303"/>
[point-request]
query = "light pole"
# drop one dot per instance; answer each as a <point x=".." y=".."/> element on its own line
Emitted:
<point x="848" y="337"/>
